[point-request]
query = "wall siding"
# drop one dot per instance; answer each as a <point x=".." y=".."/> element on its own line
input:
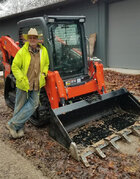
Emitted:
<point x="124" y="34"/>
<point x="95" y="21"/>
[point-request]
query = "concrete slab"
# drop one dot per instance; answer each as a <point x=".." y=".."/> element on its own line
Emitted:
<point x="125" y="71"/>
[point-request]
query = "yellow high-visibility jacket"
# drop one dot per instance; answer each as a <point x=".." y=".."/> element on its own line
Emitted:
<point x="21" y="64"/>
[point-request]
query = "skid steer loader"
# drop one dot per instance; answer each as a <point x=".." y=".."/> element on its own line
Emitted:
<point x="80" y="114"/>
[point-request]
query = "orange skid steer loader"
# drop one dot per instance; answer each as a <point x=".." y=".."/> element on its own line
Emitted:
<point x="80" y="114"/>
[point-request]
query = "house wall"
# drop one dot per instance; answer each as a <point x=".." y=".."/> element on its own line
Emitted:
<point x="116" y="23"/>
<point x="124" y="34"/>
<point x="95" y="21"/>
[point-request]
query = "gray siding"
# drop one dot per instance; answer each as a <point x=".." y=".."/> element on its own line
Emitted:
<point x="95" y="21"/>
<point x="124" y="34"/>
<point x="84" y="8"/>
<point x="9" y="27"/>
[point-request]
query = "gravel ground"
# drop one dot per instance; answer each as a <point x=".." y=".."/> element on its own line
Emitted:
<point x="54" y="162"/>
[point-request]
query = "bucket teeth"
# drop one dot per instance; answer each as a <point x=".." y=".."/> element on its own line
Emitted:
<point x="84" y="157"/>
<point x="125" y="134"/>
<point x="113" y="140"/>
<point x="97" y="147"/>
<point x="114" y="144"/>
<point x="136" y="130"/>
<point x="126" y="137"/>
<point x="99" y="152"/>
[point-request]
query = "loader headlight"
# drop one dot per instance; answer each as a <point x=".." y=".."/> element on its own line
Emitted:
<point x="95" y="59"/>
<point x="82" y="20"/>
<point x="51" y="20"/>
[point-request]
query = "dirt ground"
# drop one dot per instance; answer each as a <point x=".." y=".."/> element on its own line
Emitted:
<point x="54" y="162"/>
<point x="13" y="165"/>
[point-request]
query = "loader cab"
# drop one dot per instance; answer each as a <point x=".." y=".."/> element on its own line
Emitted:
<point x="64" y="38"/>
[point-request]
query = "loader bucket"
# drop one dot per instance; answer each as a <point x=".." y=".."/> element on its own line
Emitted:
<point x="86" y="122"/>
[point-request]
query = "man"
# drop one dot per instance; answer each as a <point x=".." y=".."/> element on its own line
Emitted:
<point x="30" y="67"/>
